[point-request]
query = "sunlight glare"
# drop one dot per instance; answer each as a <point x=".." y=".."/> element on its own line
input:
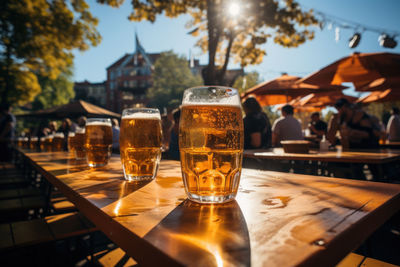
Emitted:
<point x="234" y="9"/>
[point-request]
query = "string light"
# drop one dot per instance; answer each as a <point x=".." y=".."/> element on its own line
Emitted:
<point x="387" y="37"/>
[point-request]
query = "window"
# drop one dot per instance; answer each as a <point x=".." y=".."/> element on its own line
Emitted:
<point x="125" y="83"/>
<point x="132" y="84"/>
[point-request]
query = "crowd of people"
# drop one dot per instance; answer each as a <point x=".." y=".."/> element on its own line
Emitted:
<point x="351" y="127"/>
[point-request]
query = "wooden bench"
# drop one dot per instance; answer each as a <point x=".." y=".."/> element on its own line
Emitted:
<point x="356" y="260"/>
<point x="52" y="228"/>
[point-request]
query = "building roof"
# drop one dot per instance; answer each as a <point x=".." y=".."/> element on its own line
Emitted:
<point x="153" y="57"/>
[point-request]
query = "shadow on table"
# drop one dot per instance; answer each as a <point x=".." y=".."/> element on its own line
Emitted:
<point x="106" y="193"/>
<point x="220" y="236"/>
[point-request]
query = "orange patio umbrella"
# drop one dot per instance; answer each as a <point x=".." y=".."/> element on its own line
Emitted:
<point x="285" y="88"/>
<point x="359" y="68"/>
<point x="320" y="100"/>
<point x="381" y="84"/>
<point x="381" y="96"/>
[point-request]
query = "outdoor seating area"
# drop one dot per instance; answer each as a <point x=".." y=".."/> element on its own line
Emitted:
<point x="199" y="133"/>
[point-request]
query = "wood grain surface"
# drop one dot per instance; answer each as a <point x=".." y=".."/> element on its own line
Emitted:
<point x="277" y="219"/>
<point x="374" y="157"/>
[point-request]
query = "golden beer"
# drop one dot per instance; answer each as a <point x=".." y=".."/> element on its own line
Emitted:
<point x="34" y="143"/>
<point x="71" y="142"/>
<point x="48" y="143"/>
<point x="211" y="146"/>
<point x="58" y="142"/>
<point x="79" y="144"/>
<point x="140" y="143"/>
<point x="20" y="141"/>
<point x="42" y="143"/>
<point x="98" y="141"/>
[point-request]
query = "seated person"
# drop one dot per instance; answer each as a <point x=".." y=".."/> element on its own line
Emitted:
<point x="257" y="128"/>
<point x="286" y="127"/>
<point x="357" y="128"/>
<point x="393" y="126"/>
<point x="173" y="152"/>
<point x="317" y="126"/>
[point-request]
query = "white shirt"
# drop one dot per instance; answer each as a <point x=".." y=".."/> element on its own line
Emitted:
<point x="287" y="128"/>
<point x="393" y="128"/>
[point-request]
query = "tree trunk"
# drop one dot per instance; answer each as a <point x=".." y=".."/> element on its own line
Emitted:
<point x="221" y="73"/>
<point x="209" y="73"/>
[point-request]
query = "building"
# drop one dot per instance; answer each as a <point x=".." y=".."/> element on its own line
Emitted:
<point x="129" y="78"/>
<point x="94" y="93"/>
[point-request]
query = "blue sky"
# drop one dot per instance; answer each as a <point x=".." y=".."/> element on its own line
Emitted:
<point x="170" y="34"/>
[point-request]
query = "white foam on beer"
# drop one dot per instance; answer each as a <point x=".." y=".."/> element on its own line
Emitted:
<point x="143" y="115"/>
<point x="98" y="123"/>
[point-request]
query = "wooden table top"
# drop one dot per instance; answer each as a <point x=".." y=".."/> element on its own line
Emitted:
<point x="390" y="144"/>
<point x="277" y="219"/>
<point x="371" y="156"/>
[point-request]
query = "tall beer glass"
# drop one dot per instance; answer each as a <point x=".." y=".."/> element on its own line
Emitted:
<point x="98" y="141"/>
<point x="78" y="144"/>
<point x="211" y="143"/>
<point x="58" y="142"/>
<point x="140" y="142"/>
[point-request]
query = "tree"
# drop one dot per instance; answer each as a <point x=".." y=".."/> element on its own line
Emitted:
<point x="36" y="39"/>
<point x="55" y="92"/>
<point x="238" y="35"/>
<point x="242" y="83"/>
<point x="171" y="77"/>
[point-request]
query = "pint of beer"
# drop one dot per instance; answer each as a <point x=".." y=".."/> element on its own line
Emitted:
<point x="71" y="141"/>
<point x="98" y="141"/>
<point x="140" y="142"/>
<point x="48" y="142"/>
<point x="78" y="144"/>
<point x="58" y="142"/>
<point x="211" y="143"/>
<point x="34" y="143"/>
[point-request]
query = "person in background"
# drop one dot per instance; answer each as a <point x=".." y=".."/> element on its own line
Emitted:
<point x="7" y="130"/>
<point x="115" y="133"/>
<point x="317" y="126"/>
<point x="65" y="128"/>
<point x="167" y="126"/>
<point x="257" y="128"/>
<point x="357" y="128"/>
<point x="82" y="121"/>
<point x="52" y="127"/>
<point x="173" y="152"/>
<point x="393" y="126"/>
<point x="286" y="127"/>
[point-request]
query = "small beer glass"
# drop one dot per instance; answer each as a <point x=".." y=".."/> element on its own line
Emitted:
<point x="71" y="142"/>
<point x="98" y="141"/>
<point x="140" y="142"/>
<point x="78" y="144"/>
<point x="58" y="142"/>
<point x="34" y="143"/>
<point x="211" y="143"/>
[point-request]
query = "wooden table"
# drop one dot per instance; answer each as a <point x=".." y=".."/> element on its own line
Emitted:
<point x="376" y="157"/>
<point x="277" y="219"/>
<point x="393" y="144"/>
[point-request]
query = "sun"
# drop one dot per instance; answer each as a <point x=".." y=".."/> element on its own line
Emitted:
<point x="234" y="9"/>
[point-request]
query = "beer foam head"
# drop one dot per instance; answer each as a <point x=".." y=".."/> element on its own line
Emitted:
<point x="143" y="115"/>
<point x="98" y="123"/>
<point x="211" y="95"/>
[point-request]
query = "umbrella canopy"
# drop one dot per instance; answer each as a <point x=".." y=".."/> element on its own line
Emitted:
<point x="285" y="88"/>
<point x="380" y="84"/>
<point x="359" y="68"/>
<point x="318" y="101"/>
<point x="73" y="110"/>
<point x="381" y="96"/>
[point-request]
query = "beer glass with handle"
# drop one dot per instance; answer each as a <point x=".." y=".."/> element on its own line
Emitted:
<point x="98" y="141"/>
<point x="211" y="143"/>
<point x="140" y="142"/>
